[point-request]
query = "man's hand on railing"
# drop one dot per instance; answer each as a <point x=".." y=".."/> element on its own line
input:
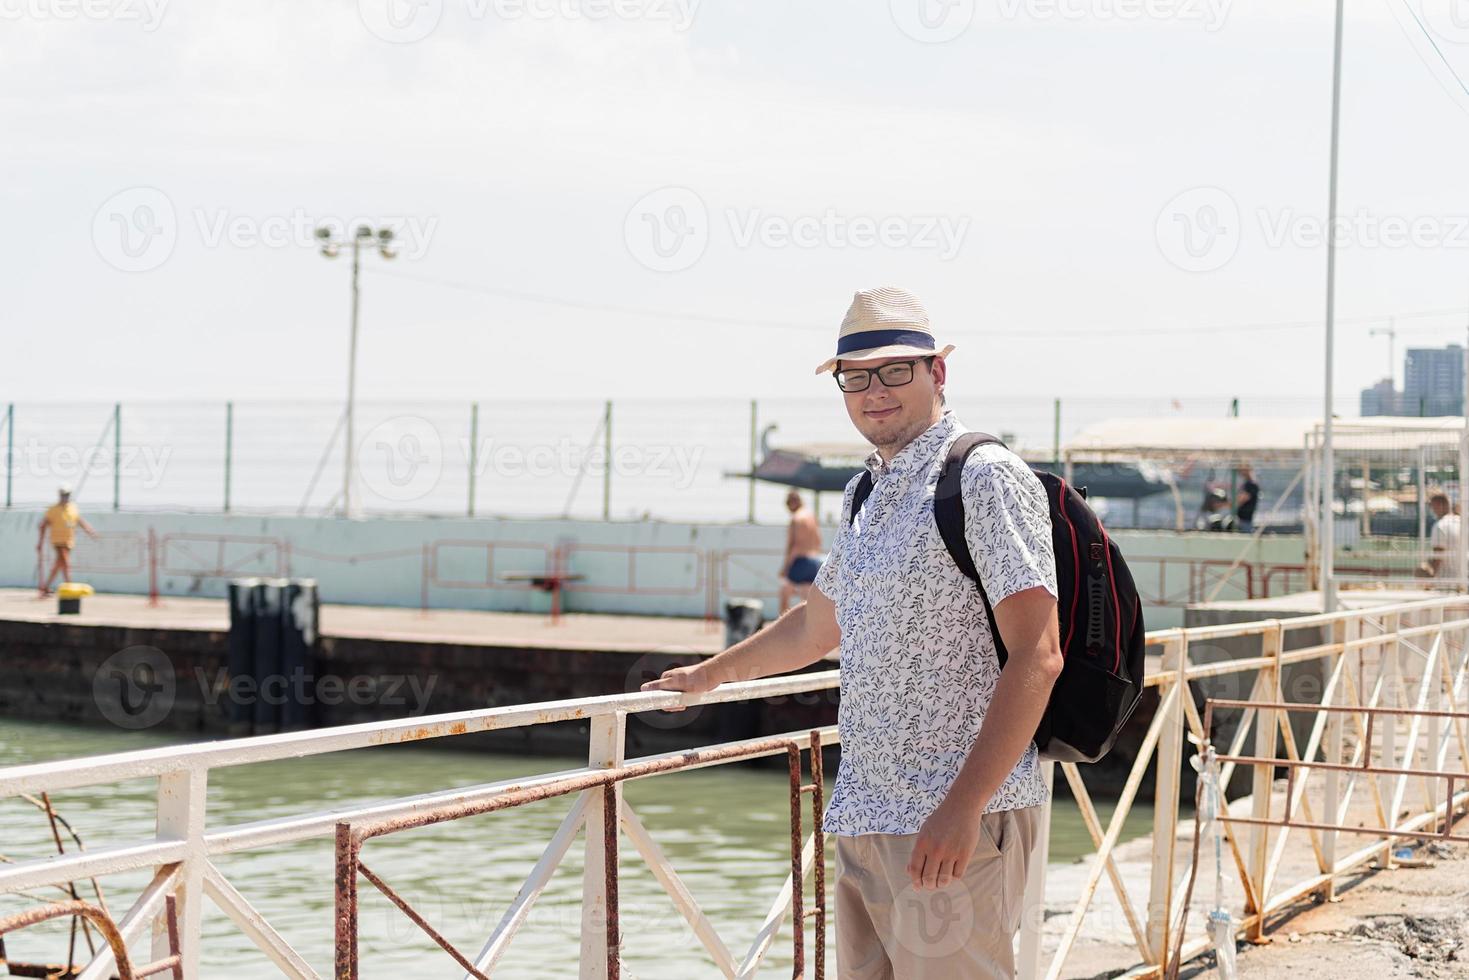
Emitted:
<point x="693" y="680"/>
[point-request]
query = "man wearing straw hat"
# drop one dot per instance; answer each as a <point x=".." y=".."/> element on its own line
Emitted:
<point x="939" y="795"/>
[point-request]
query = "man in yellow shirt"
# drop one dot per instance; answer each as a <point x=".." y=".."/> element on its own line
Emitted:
<point x="62" y="519"/>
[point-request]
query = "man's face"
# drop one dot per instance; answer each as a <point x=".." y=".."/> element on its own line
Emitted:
<point x="793" y="503"/>
<point x="893" y="417"/>
<point x="1438" y="507"/>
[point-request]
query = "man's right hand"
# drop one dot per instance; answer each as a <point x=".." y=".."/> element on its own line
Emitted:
<point x="693" y="680"/>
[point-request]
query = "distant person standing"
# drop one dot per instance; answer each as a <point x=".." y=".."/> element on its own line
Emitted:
<point x="803" y="553"/>
<point x="1246" y="501"/>
<point x="1444" y="539"/>
<point x="62" y="520"/>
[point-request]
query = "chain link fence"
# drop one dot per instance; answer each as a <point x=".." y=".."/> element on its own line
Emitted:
<point x="627" y="459"/>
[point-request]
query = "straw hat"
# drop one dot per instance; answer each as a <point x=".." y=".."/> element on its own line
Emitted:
<point x="884" y="322"/>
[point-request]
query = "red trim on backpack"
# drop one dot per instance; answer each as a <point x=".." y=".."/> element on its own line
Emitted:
<point x="1075" y="563"/>
<point x="1116" y="603"/>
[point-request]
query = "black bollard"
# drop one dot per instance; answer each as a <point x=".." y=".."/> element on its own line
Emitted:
<point x="299" y="617"/>
<point x="241" y="656"/>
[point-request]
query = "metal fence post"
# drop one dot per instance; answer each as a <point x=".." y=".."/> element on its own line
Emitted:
<point x="473" y="452"/>
<point x="181" y="800"/>
<point x="9" y="449"/>
<point x="607" y="461"/>
<point x="1266" y="736"/>
<point x="1165" y="800"/>
<point x="229" y="450"/>
<point x="607" y="750"/>
<point x="1056" y="433"/>
<point x="116" y="454"/>
<point x="754" y="449"/>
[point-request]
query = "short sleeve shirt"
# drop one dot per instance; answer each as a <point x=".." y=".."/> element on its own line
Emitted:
<point x="61" y="520"/>
<point x="918" y="661"/>
<point x="1445" y="533"/>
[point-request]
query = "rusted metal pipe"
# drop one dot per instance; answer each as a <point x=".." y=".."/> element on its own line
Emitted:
<point x="609" y="865"/>
<point x="91" y="913"/>
<point x="818" y="809"/>
<point x="346" y="903"/>
<point x="798" y="884"/>
<point x="420" y="921"/>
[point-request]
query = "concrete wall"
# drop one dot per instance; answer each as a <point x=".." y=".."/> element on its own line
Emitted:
<point x="177" y="680"/>
<point x="638" y="567"/>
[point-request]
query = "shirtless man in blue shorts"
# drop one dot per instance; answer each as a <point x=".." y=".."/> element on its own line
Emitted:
<point x="803" y="552"/>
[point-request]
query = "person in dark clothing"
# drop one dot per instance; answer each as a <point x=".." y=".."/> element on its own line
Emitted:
<point x="1246" y="500"/>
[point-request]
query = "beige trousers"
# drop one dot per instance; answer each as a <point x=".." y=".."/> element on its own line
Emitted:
<point x="887" y="930"/>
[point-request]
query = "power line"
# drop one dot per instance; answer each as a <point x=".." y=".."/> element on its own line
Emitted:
<point x="1018" y="333"/>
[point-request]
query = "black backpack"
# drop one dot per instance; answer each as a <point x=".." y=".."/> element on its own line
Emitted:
<point x="1100" y="613"/>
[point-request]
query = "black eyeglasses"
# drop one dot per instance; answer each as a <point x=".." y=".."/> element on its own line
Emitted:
<point x="894" y="374"/>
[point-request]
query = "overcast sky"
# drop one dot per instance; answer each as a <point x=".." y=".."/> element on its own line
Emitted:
<point x="1094" y="197"/>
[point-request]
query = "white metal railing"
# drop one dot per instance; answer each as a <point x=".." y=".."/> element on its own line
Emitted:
<point x="181" y="854"/>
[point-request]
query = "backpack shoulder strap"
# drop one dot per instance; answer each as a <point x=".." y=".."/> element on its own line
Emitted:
<point x="948" y="514"/>
<point x="860" y="495"/>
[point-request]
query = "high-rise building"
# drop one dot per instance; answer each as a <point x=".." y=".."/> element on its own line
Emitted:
<point x="1433" y="381"/>
<point x="1381" y="399"/>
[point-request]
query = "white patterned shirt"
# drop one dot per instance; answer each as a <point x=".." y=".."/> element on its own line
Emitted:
<point x="918" y="661"/>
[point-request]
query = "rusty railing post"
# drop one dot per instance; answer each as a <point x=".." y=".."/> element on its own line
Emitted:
<point x="345" y="909"/>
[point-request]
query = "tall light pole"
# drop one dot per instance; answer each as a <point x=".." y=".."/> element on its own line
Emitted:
<point x="1328" y="458"/>
<point x="331" y="248"/>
